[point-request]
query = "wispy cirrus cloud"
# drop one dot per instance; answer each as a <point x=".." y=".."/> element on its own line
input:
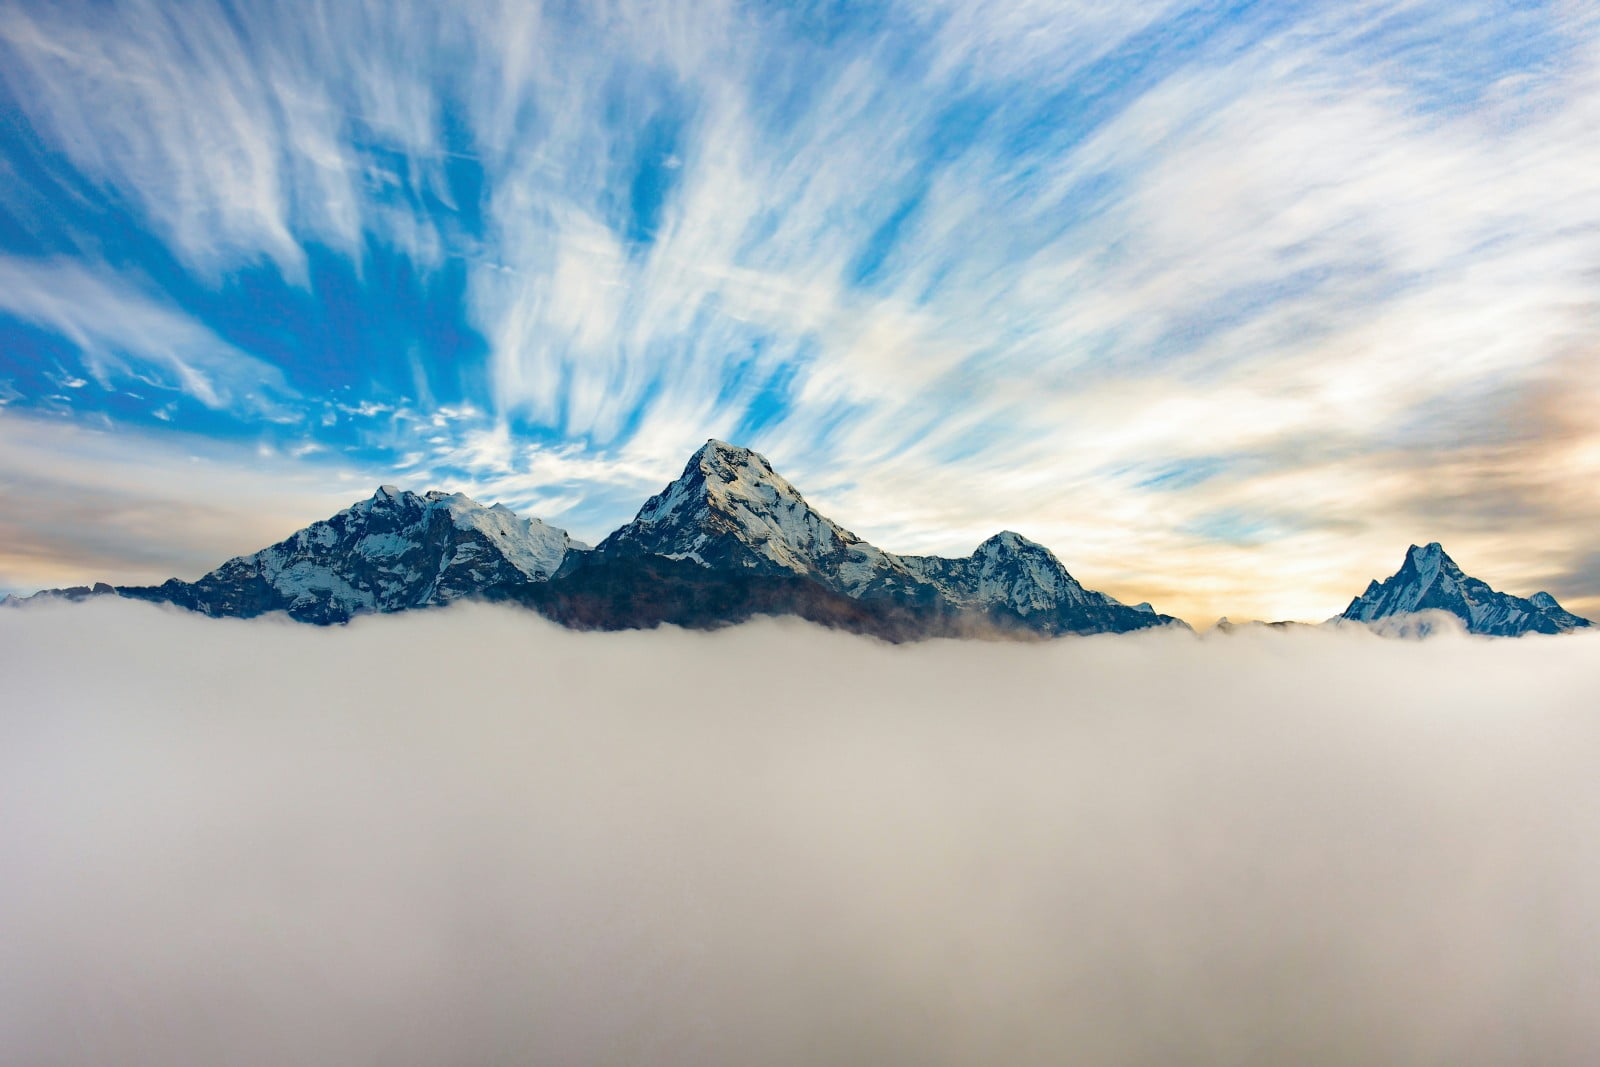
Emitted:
<point x="125" y="334"/>
<point x="1167" y="285"/>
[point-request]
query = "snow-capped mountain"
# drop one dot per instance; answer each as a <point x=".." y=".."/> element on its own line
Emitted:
<point x="1430" y="580"/>
<point x="394" y="551"/>
<point x="729" y="539"/>
<point x="730" y="510"/>
<point x="1017" y="577"/>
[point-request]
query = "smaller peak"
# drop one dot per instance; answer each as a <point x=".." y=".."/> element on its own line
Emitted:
<point x="1010" y="541"/>
<point x="1545" y="601"/>
<point x="1145" y="606"/>
<point x="387" y="496"/>
<point x="452" y="500"/>
<point x="1430" y="559"/>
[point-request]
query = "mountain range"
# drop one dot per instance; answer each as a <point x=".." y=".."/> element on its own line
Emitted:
<point x="729" y="539"/>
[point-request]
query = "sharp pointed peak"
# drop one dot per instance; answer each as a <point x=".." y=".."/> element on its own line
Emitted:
<point x="1430" y="560"/>
<point x="722" y="456"/>
<point x="720" y="463"/>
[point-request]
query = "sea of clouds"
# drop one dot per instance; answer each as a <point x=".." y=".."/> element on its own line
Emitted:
<point x="469" y="837"/>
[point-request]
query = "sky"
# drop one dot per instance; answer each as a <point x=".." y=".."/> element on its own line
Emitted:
<point x="530" y="845"/>
<point x="1228" y="303"/>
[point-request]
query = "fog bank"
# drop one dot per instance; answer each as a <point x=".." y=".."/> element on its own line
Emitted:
<point x="469" y="837"/>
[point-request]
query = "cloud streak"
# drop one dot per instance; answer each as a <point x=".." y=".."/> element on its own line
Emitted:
<point x="127" y="337"/>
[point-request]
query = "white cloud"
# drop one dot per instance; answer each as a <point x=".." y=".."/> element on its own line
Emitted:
<point x="162" y="108"/>
<point x="466" y="836"/>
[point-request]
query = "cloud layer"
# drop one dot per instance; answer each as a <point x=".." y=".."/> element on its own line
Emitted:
<point x="1229" y="304"/>
<point x="262" y="843"/>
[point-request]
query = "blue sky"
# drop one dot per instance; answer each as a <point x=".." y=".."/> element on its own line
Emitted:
<point x="1227" y="302"/>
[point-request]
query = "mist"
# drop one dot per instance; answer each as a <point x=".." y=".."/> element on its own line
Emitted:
<point x="470" y="837"/>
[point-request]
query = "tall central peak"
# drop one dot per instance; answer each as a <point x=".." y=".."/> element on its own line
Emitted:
<point x="732" y="465"/>
<point x="730" y="506"/>
<point x="730" y="511"/>
<point x="723" y="477"/>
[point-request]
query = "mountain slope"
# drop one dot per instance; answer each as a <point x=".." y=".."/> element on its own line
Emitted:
<point x="1429" y="579"/>
<point x="394" y="551"/>
<point x="730" y="511"/>
<point x="1012" y="577"/>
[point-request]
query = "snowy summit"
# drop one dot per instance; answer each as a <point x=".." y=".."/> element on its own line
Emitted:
<point x="1429" y="580"/>
<point x="393" y="551"/>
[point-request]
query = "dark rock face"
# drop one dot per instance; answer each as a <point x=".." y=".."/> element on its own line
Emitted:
<point x="639" y="592"/>
<point x="1429" y="579"/>
<point x="394" y="551"/>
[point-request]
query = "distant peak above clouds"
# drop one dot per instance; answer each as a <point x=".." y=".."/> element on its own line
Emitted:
<point x="1429" y="580"/>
